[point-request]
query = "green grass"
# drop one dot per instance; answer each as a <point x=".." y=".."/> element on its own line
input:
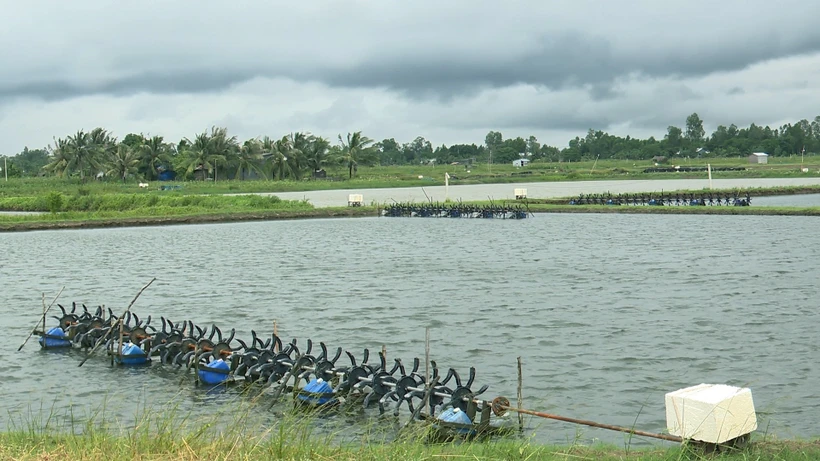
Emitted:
<point x="409" y="176"/>
<point x="247" y="430"/>
<point x="120" y="202"/>
<point x="67" y="204"/>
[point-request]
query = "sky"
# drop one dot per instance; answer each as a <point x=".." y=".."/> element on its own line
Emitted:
<point x="447" y="70"/>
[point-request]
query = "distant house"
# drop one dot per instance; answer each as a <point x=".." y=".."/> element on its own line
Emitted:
<point x="521" y="162"/>
<point x="166" y="175"/>
<point x="759" y="157"/>
<point x="201" y="173"/>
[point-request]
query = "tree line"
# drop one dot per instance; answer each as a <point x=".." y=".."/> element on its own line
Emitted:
<point x="217" y="155"/>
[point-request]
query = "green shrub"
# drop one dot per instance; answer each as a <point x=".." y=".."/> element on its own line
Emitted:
<point x="54" y="201"/>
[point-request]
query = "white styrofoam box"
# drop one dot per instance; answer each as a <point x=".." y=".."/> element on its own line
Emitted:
<point x="521" y="192"/>
<point x="713" y="413"/>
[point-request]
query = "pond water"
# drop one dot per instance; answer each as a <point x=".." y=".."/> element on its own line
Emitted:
<point x="608" y="312"/>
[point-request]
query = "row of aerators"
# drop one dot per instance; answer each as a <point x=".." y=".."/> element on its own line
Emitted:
<point x="316" y="379"/>
<point x="456" y="210"/>
<point x="691" y="199"/>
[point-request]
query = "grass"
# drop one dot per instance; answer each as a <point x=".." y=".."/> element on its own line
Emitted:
<point x="246" y="430"/>
<point x="72" y="211"/>
<point x="64" y="204"/>
<point x="426" y="175"/>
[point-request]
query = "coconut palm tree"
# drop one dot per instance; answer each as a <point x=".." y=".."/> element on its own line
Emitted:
<point x="60" y="155"/>
<point x="84" y="153"/>
<point x="248" y="158"/>
<point x="122" y="162"/>
<point x="299" y="145"/>
<point x="356" y="149"/>
<point x="316" y="154"/>
<point x="198" y="156"/>
<point x="154" y="152"/>
<point x="223" y="148"/>
<point x="278" y="155"/>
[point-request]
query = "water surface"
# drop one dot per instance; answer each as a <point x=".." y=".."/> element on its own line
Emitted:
<point x="608" y="311"/>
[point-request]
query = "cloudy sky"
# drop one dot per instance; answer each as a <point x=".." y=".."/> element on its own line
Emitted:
<point x="448" y="70"/>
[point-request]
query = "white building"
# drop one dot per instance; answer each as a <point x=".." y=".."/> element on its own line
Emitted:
<point x="759" y="157"/>
<point x="521" y="162"/>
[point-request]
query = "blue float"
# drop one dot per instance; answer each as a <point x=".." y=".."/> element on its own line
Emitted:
<point x="320" y="387"/>
<point x="456" y="416"/>
<point x="216" y="372"/>
<point x="55" y="338"/>
<point x="132" y="355"/>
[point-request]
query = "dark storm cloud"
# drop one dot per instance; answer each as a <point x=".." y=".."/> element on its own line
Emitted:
<point x="424" y="49"/>
<point x="186" y="81"/>
<point x="562" y="61"/>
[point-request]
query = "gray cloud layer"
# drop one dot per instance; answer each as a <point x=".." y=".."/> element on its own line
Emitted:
<point x="423" y="49"/>
<point x="449" y="70"/>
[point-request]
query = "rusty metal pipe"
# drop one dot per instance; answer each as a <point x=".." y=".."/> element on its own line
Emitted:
<point x="541" y="414"/>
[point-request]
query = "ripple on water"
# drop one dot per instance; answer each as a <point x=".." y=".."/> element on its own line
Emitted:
<point x="605" y="322"/>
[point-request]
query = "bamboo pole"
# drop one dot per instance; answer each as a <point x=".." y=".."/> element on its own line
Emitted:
<point x="417" y="411"/>
<point x="540" y="414"/>
<point x="276" y="334"/>
<point x="127" y="310"/>
<point x="45" y="311"/>
<point x="520" y="397"/>
<point x="120" y="320"/>
<point x="426" y="361"/>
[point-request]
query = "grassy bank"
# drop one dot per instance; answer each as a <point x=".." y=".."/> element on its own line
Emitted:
<point x="710" y="210"/>
<point x="427" y="175"/>
<point x="83" y="209"/>
<point x="752" y="191"/>
<point x="300" y="443"/>
<point x="60" y="211"/>
<point x="155" y="217"/>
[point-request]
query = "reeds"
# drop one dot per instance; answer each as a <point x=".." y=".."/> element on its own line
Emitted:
<point x="244" y="429"/>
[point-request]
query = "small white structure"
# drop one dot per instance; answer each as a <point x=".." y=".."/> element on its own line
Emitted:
<point x="759" y="157"/>
<point x="521" y="162"/>
<point x="355" y="200"/>
<point x="520" y="194"/>
<point x="712" y="413"/>
<point x="143" y="185"/>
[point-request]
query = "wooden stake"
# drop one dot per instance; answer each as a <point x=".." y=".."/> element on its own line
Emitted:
<point x="426" y="361"/>
<point x="520" y="397"/>
<point x="120" y="320"/>
<point x="45" y="311"/>
<point x="275" y="333"/>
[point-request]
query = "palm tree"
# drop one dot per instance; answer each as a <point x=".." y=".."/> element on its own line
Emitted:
<point x="197" y="156"/>
<point x="281" y="148"/>
<point x="299" y="145"/>
<point x="59" y="157"/>
<point x="84" y="153"/>
<point x="154" y="152"/>
<point x="122" y="162"/>
<point x="316" y="154"/>
<point x="223" y="148"/>
<point x="248" y="158"/>
<point x="357" y="148"/>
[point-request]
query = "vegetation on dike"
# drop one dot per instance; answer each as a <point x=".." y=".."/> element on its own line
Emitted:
<point x="428" y="175"/>
<point x="149" y="204"/>
<point x="299" y="445"/>
<point x="241" y="432"/>
<point x="216" y="154"/>
<point x="709" y="210"/>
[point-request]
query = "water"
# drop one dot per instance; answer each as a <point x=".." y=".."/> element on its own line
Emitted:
<point x="608" y="312"/>
<point x="557" y="189"/>
<point x="788" y="200"/>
